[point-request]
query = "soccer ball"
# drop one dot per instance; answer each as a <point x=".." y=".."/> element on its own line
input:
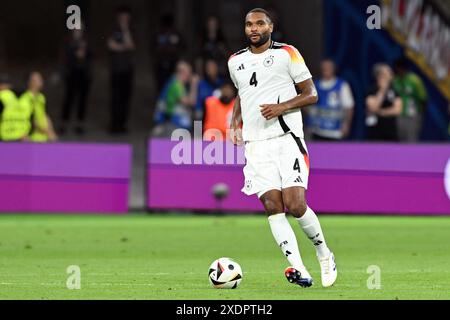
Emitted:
<point x="225" y="273"/>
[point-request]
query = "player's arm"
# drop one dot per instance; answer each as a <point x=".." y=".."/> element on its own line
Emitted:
<point x="308" y="96"/>
<point x="236" y="123"/>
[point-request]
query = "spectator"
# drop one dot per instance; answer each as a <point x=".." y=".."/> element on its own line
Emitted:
<point x="414" y="96"/>
<point x="213" y="44"/>
<point x="210" y="83"/>
<point x="77" y="75"/>
<point x="175" y="104"/>
<point x="169" y="44"/>
<point x="14" y="118"/>
<point x="34" y="101"/>
<point x="121" y="46"/>
<point x="219" y="112"/>
<point x="383" y="106"/>
<point x="331" y="118"/>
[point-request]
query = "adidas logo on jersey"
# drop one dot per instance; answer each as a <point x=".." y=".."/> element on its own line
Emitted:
<point x="299" y="179"/>
<point x="241" y="67"/>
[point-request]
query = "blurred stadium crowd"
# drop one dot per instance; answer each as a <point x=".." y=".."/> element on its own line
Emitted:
<point x="200" y="90"/>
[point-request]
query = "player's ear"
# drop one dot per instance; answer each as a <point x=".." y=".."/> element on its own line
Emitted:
<point x="271" y="27"/>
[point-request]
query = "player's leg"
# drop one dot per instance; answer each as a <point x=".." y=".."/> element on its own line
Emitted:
<point x="285" y="237"/>
<point x="294" y="169"/>
<point x="281" y="228"/>
<point x="295" y="202"/>
<point x="262" y="178"/>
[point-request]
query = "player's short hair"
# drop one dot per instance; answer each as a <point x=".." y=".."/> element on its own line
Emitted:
<point x="261" y="10"/>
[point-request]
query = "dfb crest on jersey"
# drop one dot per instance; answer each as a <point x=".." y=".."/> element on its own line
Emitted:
<point x="268" y="61"/>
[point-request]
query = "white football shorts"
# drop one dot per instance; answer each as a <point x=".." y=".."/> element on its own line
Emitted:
<point x="275" y="164"/>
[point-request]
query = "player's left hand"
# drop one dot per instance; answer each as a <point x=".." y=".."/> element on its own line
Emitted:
<point x="271" y="111"/>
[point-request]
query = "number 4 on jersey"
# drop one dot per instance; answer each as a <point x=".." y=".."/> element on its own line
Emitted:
<point x="253" y="81"/>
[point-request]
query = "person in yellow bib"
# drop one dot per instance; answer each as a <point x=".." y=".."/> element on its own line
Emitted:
<point x="33" y="100"/>
<point x="14" y="118"/>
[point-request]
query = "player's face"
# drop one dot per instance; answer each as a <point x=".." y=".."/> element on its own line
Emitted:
<point x="258" y="28"/>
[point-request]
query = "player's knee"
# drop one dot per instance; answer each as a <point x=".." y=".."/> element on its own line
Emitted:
<point x="297" y="208"/>
<point x="272" y="207"/>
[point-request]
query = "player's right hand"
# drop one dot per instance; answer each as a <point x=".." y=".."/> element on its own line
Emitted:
<point x="236" y="136"/>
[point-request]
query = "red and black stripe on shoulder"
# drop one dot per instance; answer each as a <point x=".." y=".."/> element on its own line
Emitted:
<point x="291" y="50"/>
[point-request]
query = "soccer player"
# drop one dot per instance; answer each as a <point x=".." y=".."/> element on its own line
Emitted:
<point x="267" y="108"/>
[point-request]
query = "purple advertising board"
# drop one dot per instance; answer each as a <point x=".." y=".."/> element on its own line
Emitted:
<point x="64" y="178"/>
<point x="350" y="178"/>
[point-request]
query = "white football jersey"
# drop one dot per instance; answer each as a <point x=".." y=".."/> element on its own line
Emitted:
<point x="268" y="78"/>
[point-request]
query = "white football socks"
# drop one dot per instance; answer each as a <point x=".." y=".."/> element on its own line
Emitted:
<point x="286" y="239"/>
<point x="311" y="226"/>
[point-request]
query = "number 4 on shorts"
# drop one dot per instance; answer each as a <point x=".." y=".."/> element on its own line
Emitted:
<point x="297" y="165"/>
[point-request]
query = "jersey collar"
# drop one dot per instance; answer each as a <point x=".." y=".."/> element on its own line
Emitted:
<point x="270" y="47"/>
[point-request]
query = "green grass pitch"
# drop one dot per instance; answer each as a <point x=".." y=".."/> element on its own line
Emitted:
<point x="167" y="257"/>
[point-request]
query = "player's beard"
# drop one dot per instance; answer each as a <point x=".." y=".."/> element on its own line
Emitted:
<point x="263" y="38"/>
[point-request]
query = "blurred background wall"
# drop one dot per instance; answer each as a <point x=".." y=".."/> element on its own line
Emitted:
<point x="33" y="39"/>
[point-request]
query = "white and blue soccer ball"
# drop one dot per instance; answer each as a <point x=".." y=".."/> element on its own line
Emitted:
<point x="225" y="273"/>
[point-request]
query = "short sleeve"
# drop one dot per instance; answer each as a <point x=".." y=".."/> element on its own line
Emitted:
<point x="230" y="70"/>
<point x="347" y="97"/>
<point x="298" y="70"/>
